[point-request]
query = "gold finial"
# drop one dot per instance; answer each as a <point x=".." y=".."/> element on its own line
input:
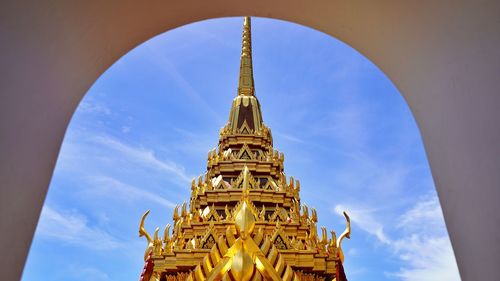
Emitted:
<point x="324" y="236"/>
<point x="246" y="84"/>
<point x="143" y="232"/>
<point x="184" y="210"/>
<point x="157" y="244"/>
<point x="175" y="216"/>
<point x="332" y="244"/>
<point x="347" y="231"/>
<point x="166" y="234"/>
<point x="345" y="234"/>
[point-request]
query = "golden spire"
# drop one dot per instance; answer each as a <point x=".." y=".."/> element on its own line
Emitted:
<point x="245" y="116"/>
<point x="222" y="237"/>
<point x="246" y="85"/>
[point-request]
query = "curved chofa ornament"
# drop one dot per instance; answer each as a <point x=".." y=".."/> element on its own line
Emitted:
<point x="223" y="235"/>
<point x="143" y="232"/>
<point x="167" y="240"/>
<point x="345" y="234"/>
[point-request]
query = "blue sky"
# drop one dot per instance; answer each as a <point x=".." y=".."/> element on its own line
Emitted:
<point x="143" y="131"/>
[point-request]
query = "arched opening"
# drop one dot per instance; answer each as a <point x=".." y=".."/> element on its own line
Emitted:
<point x="144" y="128"/>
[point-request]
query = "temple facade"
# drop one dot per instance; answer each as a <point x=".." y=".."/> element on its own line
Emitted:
<point x="244" y="220"/>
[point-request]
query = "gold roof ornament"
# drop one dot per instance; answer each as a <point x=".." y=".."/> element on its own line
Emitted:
<point x="246" y="82"/>
<point x="345" y="234"/>
<point x="143" y="232"/>
<point x="223" y="235"/>
<point x="246" y="116"/>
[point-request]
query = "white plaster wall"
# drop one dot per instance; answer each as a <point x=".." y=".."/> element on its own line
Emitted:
<point x="444" y="57"/>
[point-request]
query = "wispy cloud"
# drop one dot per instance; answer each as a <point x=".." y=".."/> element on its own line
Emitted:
<point x="424" y="248"/>
<point x="195" y="143"/>
<point x="89" y="105"/>
<point x="117" y="189"/>
<point x="366" y="221"/>
<point x="144" y="156"/>
<point x="73" y="228"/>
<point x="288" y="137"/>
<point x="162" y="61"/>
<point x="424" y="257"/>
<point x="428" y="211"/>
<point x="349" y="124"/>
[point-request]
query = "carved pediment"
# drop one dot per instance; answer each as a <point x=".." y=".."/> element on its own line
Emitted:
<point x="270" y="184"/>
<point x="279" y="214"/>
<point x="280" y="243"/>
<point x="280" y="239"/>
<point x="208" y="240"/>
<point x="251" y="207"/>
<point x="245" y="128"/>
<point x="253" y="184"/>
<point x="245" y="153"/>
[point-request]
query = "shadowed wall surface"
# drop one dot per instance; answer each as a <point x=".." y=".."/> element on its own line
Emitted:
<point x="443" y="57"/>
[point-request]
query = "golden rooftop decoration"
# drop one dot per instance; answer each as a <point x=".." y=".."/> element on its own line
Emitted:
<point x="244" y="220"/>
<point x="245" y="86"/>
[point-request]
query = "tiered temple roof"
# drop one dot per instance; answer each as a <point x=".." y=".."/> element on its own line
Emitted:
<point x="244" y="220"/>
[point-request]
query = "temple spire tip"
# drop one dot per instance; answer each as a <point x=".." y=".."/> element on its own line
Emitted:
<point x="246" y="82"/>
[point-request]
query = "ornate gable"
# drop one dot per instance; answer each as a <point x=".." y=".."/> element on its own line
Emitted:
<point x="209" y="239"/>
<point x="280" y="238"/>
<point x="245" y="153"/>
<point x="252" y="183"/>
<point x="279" y="215"/>
<point x="245" y="129"/>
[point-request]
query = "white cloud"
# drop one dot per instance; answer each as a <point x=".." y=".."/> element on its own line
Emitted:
<point x="424" y="248"/>
<point x="195" y="143"/>
<point x="426" y="211"/>
<point x="115" y="188"/>
<point x="145" y="156"/>
<point x="288" y="137"/>
<point x="90" y="106"/>
<point x="163" y="62"/>
<point x="73" y="228"/>
<point x="426" y="258"/>
<point x="375" y="176"/>
<point x="365" y="220"/>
